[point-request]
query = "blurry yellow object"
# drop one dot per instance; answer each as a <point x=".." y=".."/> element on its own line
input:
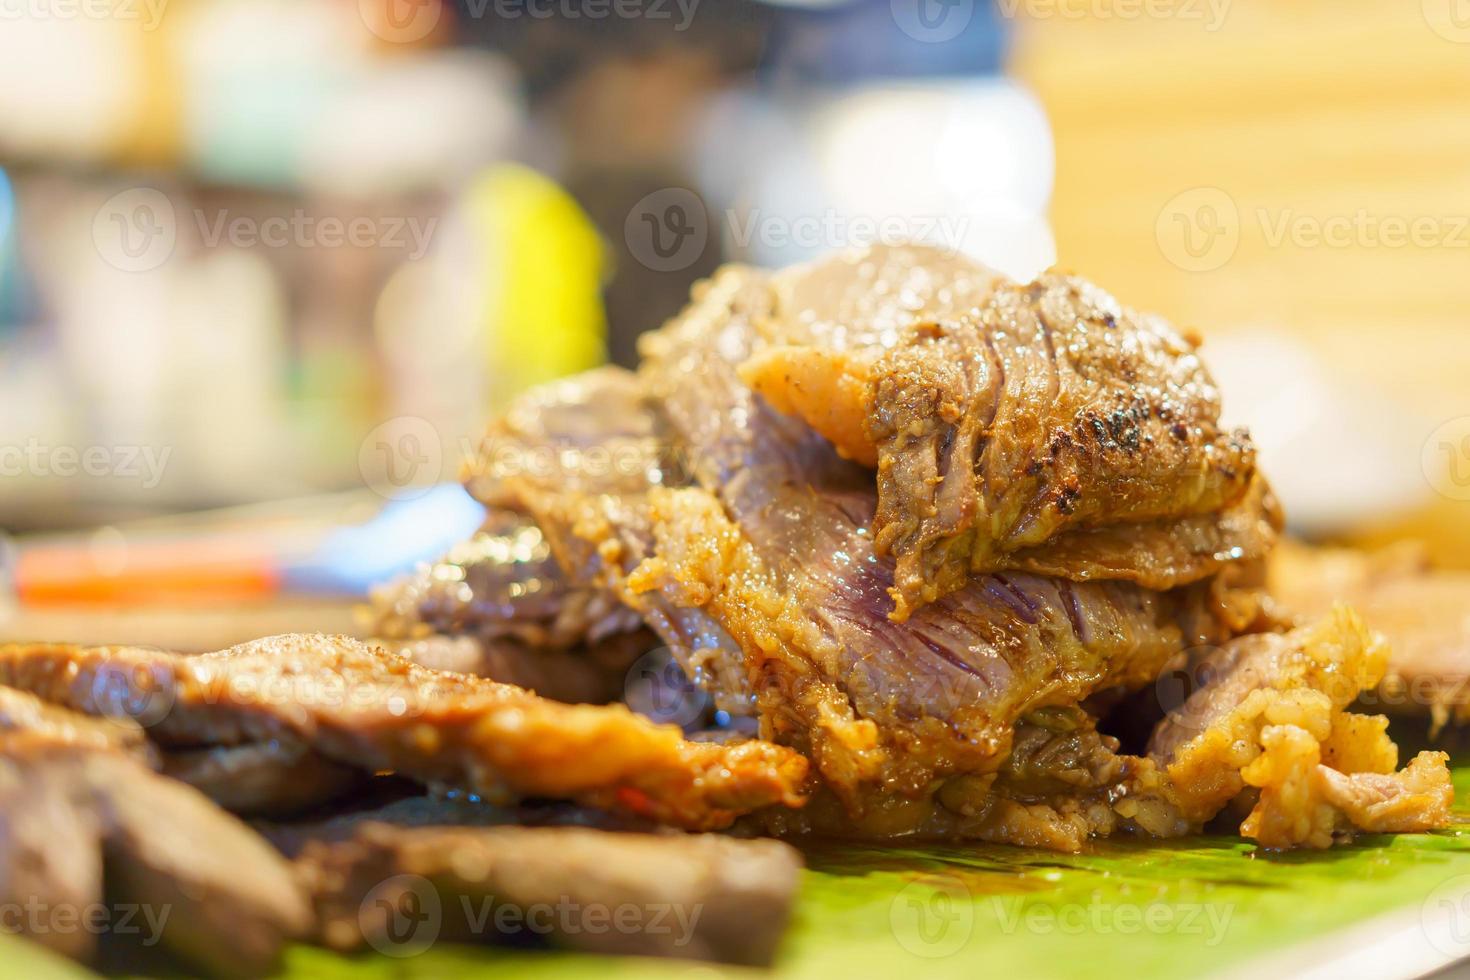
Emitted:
<point x="544" y="265"/>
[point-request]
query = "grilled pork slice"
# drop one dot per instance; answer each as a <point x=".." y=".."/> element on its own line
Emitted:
<point x="619" y="448"/>
<point x="274" y="778"/>
<point x="221" y="898"/>
<point x="597" y="674"/>
<point x="50" y="838"/>
<point x="1423" y="612"/>
<point x="277" y="777"/>
<point x="365" y="707"/>
<point x="503" y="586"/>
<point x="1001" y="418"/>
<point x="703" y="896"/>
<point x="580" y="457"/>
<point x="1268" y="714"/>
<point x="23" y="712"/>
<point x="499" y="606"/>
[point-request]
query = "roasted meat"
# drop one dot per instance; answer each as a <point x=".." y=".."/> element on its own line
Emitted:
<point x="219" y="896"/>
<point x="364" y="707"/>
<point x="778" y="546"/>
<point x="701" y="896"/>
<point x="807" y="645"/>
<point x="276" y="777"/>
<point x="502" y="585"/>
<point x="749" y="554"/>
<point x="23" y="712"/>
<point x="595" y="674"/>
<point x="748" y="543"/>
<point x="1000" y="417"/>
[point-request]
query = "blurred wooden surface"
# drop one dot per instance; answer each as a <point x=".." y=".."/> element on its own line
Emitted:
<point x="1351" y="118"/>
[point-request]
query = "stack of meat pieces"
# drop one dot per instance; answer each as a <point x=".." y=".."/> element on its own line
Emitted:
<point x="928" y="532"/>
<point x="928" y="526"/>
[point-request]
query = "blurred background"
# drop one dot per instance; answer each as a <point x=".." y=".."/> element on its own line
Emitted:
<point x="266" y="265"/>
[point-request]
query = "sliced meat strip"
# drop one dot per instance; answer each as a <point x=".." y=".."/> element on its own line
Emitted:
<point x="699" y="896"/>
<point x="21" y="711"/>
<point x="274" y="778"/>
<point x="1161" y="554"/>
<point x="225" y="901"/>
<point x="620" y="448"/>
<point x="414" y="808"/>
<point x="564" y="455"/>
<point x="50" y="845"/>
<point x="500" y="585"/>
<point x="831" y="320"/>
<point x="366" y="707"/>
<point x="233" y="901"/>
<point x="596" y="675"/>
<point x="1002" y="420"/>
